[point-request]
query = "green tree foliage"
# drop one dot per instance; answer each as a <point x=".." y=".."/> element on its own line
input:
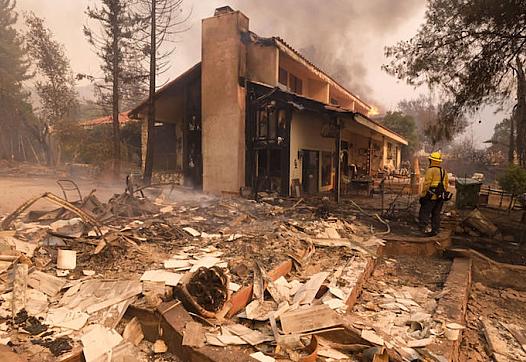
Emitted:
<point x="16" y="120"/>
<point x="55" y="83"/>
<point x="404" y="125"/>
<point x="90" y="145"/>
<point x="471" y="50"/>
<point x="514" y="180"/>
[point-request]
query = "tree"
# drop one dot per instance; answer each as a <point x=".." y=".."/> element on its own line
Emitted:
<point x="426" y="115"/>
<point x="164" y="17"/>
<point x="514" y="180"/>
<point x="500" y="141"/>
<point x="16" y="120"/>
<point x="116" y="44"/>
<point x="465" y="149"/>
<point x="473" y="52"/>
<point x="55" y="85"/>
<point x="404" y="125"/>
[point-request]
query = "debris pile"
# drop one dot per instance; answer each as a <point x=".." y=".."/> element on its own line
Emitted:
<point x="259" y="270"/>
<point x="218" y="277"/>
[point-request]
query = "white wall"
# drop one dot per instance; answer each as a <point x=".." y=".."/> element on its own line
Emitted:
<point x="305" y="134"/>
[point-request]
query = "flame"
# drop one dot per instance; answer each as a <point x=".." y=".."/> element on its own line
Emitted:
<point x="373" y="111"/>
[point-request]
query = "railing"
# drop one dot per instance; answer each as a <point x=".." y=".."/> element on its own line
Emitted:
<point x="505" y="200"/>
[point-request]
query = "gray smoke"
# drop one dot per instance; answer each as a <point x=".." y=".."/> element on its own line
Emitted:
<point x="330" y="33"/>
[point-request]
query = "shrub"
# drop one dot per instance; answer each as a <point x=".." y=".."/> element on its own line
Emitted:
<point x="514" y="180"/>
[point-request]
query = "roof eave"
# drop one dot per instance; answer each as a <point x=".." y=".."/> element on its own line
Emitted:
<point x="134" y="113"/>
<point x="287" y="49"/>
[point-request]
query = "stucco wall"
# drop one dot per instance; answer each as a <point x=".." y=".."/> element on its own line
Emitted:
<point x="318" y="90"/>
<point x="305" y="134"/>
<point x="262" y="63"/>
<point x="223" y="102"/>
<point x="168" y="109"/>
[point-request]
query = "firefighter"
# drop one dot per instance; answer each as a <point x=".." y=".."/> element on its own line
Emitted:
<point x="434" y="193"/>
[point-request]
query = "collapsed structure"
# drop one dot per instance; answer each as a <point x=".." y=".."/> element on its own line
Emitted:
<point x="256" y="113"/>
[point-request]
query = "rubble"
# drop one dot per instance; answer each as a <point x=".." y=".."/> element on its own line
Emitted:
<point x="479" y="224"/>
<point x="273" y="281"/>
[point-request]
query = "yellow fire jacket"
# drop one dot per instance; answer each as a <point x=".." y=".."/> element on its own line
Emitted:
<point x="432" y="179"/>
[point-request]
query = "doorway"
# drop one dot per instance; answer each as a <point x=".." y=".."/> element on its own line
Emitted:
<point x="310" y="171"/>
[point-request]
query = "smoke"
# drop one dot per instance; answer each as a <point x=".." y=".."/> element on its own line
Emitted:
<point x="332" y="34"/>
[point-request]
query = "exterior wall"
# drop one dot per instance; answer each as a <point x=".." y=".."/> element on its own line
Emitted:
<point x="286" y="53"/>
<point x="358" y="137"/>
<point x="313" y="87"/>
<point x="262" y="64"/>
<point x="223" y="102"/>
<point x="305" y="134"/>
<point x="357" y="143"/>
<point x="346" y="101"/>
<point x="318" y="90"/>
<point x="168" y="109"/>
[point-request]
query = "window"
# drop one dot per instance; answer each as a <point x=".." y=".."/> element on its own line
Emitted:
<point x="262" y="124"/>
<point x="296" y="84"/>
<point x="326" y="168"/>
<point x="271" y="124"/>
<point x="283" y="77"/>
<point x="293" y="83"/>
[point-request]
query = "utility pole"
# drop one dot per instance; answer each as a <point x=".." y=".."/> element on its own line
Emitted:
<point x="148" y="166"/>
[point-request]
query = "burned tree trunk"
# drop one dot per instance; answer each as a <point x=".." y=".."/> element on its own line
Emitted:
<point x="148" y="165"/>
<point x="115" y="101"/>
<point x="511" y="149"/>
<point x="520" y="120"/>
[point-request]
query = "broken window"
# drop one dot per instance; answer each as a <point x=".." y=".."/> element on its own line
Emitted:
<point x="271" y="124"/>
<point x="326" y="168"/>
<point x="283" y="77"/>
<point x="262" y="124"/>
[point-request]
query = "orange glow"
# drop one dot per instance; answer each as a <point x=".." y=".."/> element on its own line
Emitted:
<point x="373" y="111"/>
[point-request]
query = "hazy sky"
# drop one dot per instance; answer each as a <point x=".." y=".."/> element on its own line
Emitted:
<point x="346" y="38"/>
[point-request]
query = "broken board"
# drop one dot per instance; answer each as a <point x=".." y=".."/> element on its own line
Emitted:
<point x="309" y="319"/>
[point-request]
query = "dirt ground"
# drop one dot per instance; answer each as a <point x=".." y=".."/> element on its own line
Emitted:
<point x="500" y="307"/>
<point x="270" y="232"/>
<point x="16" y="190"/>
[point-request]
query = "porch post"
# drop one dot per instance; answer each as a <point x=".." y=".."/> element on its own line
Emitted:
<point x="338" y="170"/>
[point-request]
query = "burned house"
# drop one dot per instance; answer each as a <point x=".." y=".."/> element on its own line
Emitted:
<point x="256" y="113"/>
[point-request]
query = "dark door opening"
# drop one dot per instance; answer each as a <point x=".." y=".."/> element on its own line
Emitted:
<point x="193" y="158"/>
<point x="269" y="166"/>
<point x="165" y="155"/>
<point x="193" y="169"/>
<point x="310" y="171"/>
